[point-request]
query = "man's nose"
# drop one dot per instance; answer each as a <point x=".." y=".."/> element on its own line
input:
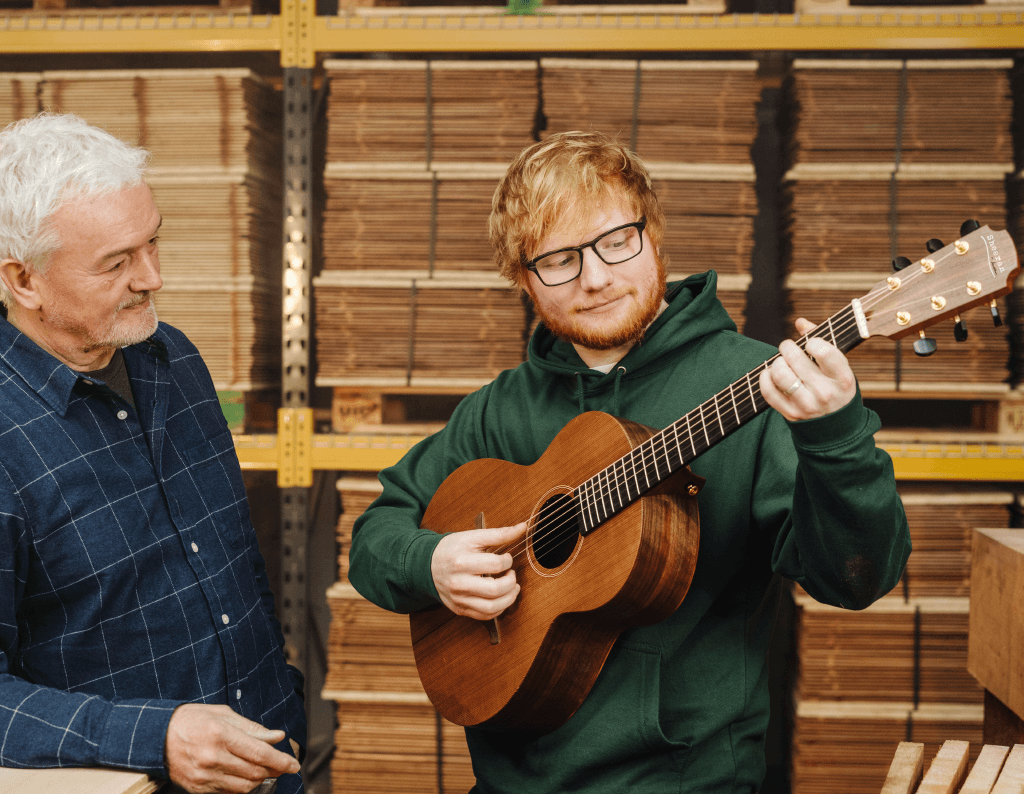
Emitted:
<point x="596" y="275"/>
<point x="147" y="272"/>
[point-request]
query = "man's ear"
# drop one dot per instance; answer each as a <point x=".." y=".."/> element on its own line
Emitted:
<point x="17" y="278"/>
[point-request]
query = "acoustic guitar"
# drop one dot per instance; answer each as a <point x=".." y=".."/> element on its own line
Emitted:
<point x="611" y="508"/>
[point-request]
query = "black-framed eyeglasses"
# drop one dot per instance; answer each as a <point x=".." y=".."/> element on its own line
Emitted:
<point x="614" y="247"/>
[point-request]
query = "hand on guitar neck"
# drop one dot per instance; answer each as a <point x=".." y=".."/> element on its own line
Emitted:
<point x="472" y="578"/>
<point x="801" y="386"/>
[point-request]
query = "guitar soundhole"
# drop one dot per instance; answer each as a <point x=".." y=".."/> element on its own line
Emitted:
<point x="556" y="531"/>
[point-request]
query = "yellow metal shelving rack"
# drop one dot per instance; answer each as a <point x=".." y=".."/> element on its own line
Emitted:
<point x="299" y="35"/>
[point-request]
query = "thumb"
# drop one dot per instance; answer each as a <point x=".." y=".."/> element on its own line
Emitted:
<point x="502" y="536"/>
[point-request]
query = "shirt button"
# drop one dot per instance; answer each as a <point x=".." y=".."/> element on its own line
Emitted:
<point x="195" y="548"/>
<point x="225" y="619"/>
<point x="122" y="414"/>
<point x="238" y="694"/>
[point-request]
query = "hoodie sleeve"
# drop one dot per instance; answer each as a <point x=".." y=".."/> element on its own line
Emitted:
<point x="844" y="537"/>
<point x="389" y="561"/>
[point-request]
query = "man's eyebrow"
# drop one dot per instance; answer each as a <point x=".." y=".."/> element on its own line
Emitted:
<point x="129" y="249"/>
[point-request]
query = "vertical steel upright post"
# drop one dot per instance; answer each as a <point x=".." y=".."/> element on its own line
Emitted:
<point x="295" y="349"/>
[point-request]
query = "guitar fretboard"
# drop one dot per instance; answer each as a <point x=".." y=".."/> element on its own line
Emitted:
<point x="650" y="463"/>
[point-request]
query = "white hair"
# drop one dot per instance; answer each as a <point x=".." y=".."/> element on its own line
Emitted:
<point x="46" y="161"/>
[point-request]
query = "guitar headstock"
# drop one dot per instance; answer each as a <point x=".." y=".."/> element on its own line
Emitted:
<point x="976" y="269"/>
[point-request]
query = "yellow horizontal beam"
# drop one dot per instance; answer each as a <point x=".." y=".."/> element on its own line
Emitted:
<point x="158" y="31"/>
<point x="990" y="461"/>
<point x="955" y="461"/>
<point x="436" y="30"/>
<point x="439" y="30"/>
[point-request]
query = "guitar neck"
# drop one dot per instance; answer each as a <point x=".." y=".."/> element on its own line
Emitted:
<point x="650" y="463"/>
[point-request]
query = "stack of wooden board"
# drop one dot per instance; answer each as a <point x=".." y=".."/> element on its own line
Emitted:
<point x="885" y="155"/>
<point x="355" y="494"/>
<point x="942" y="520"/>
<point x="389" y="738"/>
<point x="678" y="111"/>
<point x="848" y="746"/>
<point x="420" y="111"/>
<point x="893" y="651"/>
<point x="216" y="178"/>
<point x="404" y="328"/>
<point x="18" y="96"/>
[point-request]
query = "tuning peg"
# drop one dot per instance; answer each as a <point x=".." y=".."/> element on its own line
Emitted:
<point x="959" y="330"/>
<point x="934" y="245"/>
<point x="996" y="319"/>
<point x="968" y="226"/>
<point x="924" y="346"/>
<point x="899" y="263"/>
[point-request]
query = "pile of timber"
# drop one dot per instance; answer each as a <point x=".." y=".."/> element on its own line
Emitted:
<point x="678" y="111"/>
<point x="399" y="328"/>
<point x="422" y="111"/>
<point x="848" y="746"/>
<point x="996" y="770"/>
<point x="885" y="155"/>
<point x="216" y="178"/>
<point x="389" y="738"/>
<point x="930" y="111"/>
<point x="355" y="495"/>
<point x="436" y="219"/>
<point x="18" y="96"/>
<point x="942" y="520"/>
<point x="894" y="651"/>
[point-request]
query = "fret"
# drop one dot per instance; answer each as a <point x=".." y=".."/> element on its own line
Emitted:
<point x="831" y="332"/>
<point x="704" y="425"/>
<point x="718" y="414"/>
<point x="584" y="527"/>
<point x="654" y="458"/>
<point x="664" y="449"/>
<point x="689" y="433"/>
<point x="679" y="450"/>
<point x="750" y="386"/>
<point x="591" y="507"/>
<point x="735" y="408"/>
<point x="601" y="491"/>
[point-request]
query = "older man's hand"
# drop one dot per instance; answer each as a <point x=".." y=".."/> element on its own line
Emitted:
<point x="213" y="750"/>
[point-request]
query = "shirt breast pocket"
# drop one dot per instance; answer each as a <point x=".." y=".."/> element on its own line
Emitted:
<point x="220" y="498"/>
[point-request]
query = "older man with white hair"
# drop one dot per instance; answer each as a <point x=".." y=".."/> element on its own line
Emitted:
<point x="137" y="628"/>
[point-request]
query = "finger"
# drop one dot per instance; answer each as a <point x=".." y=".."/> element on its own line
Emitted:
<point x="258" y="753"/>
<point x="804" y="326"/>
<point x="489" y="587"/>
<point x="254" y="729"/>
<point x="486" y="609"/>
<point x="497" y="539"/>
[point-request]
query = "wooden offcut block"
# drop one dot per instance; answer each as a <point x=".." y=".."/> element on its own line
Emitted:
<point x="995" y="645"/>
<point x="906" y="770"/>
<point x="986" y="770"/>
<point x="76" y="781"/>
<point x="947" y="769"/>
<point x="1011" y="779"/>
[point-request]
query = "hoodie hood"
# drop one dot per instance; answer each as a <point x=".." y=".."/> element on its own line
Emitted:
<point x="693" y="311"/>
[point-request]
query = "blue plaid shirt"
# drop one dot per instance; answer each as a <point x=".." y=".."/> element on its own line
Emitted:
<point x="130" y="578"/>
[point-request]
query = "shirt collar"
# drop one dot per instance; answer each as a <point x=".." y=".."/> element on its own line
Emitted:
<point x="51" y="379"/>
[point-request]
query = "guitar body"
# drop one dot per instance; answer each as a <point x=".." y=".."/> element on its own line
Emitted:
<point x="576" y="598"/>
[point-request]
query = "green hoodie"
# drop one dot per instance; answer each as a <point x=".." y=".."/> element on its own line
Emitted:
<point x="680" y="706"/>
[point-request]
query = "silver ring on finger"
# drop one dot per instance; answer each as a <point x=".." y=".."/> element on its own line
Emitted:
<point x="789" y="392"/>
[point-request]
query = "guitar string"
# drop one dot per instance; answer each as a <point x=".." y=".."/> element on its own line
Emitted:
<point x="745" y="406"/>
<point x="570" y="512"/>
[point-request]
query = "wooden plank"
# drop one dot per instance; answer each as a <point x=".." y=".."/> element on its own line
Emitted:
<point x="986" y="770"/>
<point x="995" y="648"/>
<point x="76" y="781"/>
<point x="1011" y="779"/>
<point x="906" y="770"/>
<point x="947" y="769"/>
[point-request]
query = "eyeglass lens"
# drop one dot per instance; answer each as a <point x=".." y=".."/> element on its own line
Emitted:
<point x="616" y="246"/>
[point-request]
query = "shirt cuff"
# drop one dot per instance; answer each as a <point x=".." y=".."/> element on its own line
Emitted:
<point x="135" y="734"/>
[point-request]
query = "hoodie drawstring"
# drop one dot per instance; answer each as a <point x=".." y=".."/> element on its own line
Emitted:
<point x="619" y="372"/>
<point x="578" y="390"/>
